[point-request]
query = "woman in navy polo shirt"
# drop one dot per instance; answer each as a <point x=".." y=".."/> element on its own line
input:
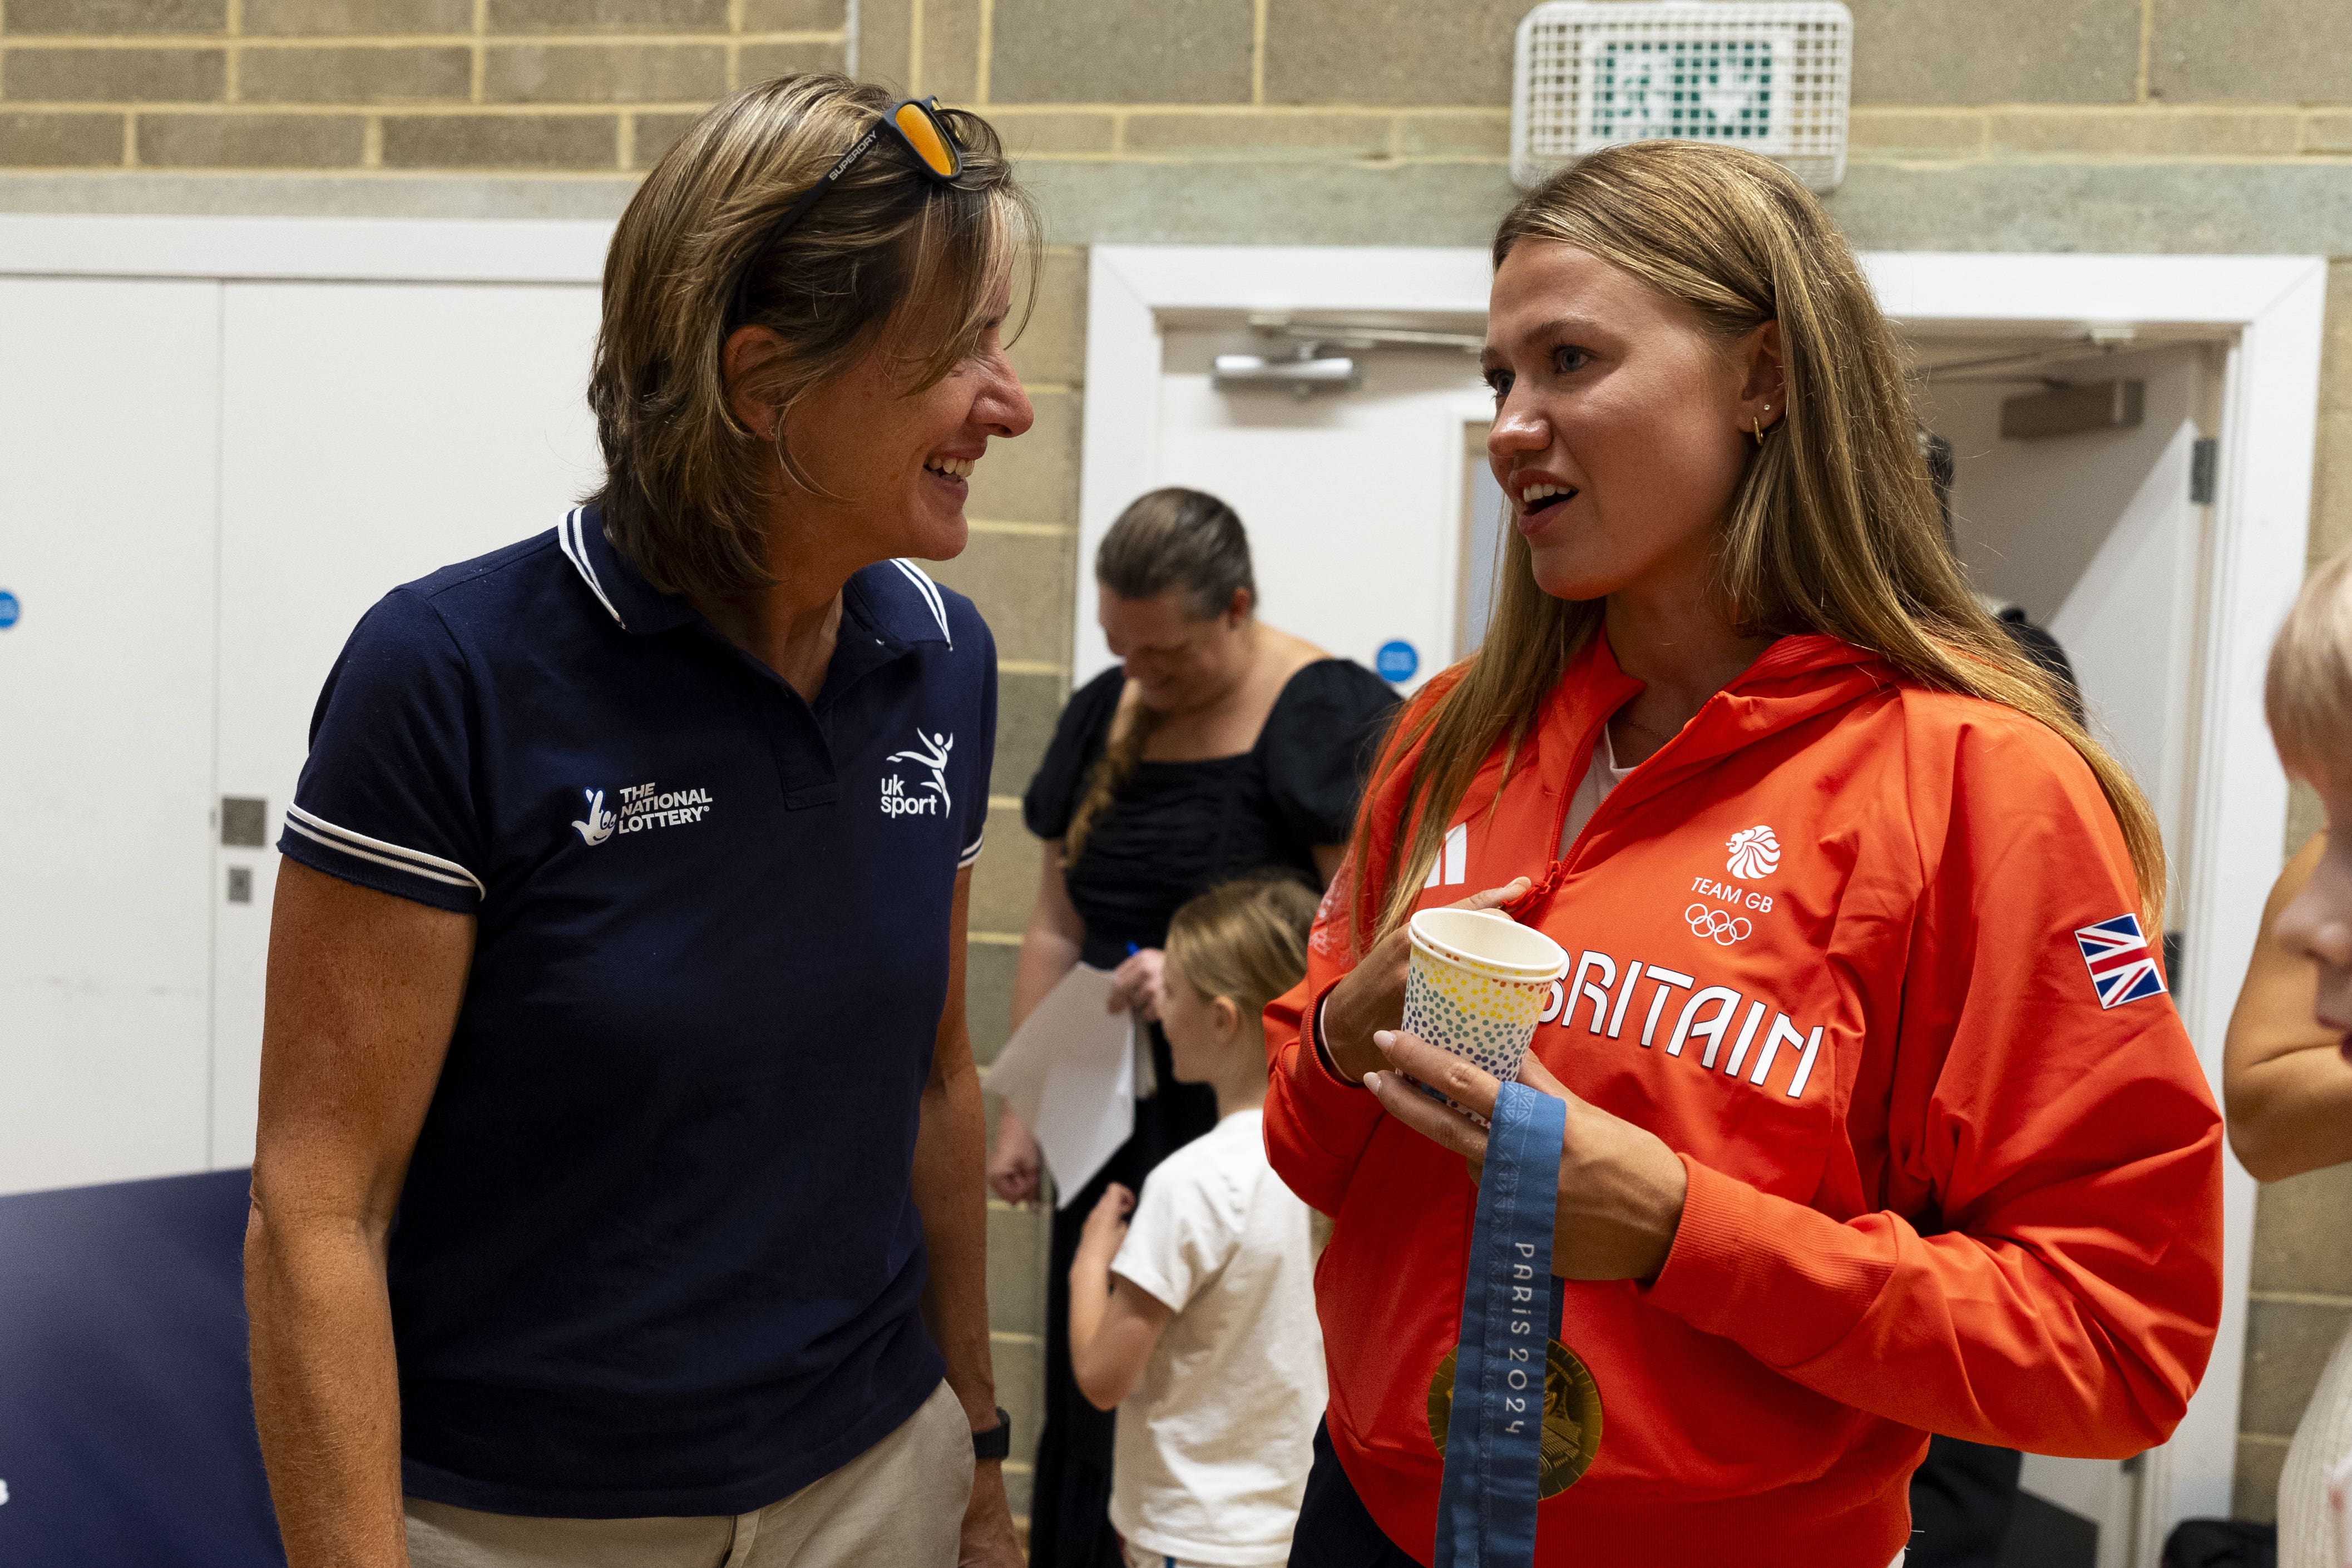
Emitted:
<point x="621" y="954"/>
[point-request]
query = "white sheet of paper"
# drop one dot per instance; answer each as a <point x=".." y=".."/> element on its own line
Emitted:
<point x="1069" y="1073"/>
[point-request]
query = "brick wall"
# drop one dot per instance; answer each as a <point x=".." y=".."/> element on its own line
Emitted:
<point x="384" y="86"/>
<point x="2119" y="125"/>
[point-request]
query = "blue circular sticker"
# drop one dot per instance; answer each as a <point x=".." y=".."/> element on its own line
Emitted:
<point x="1396" y="661"/>
<point x="9" y="609"/>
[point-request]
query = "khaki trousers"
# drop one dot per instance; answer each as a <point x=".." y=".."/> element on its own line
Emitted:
<point x="901" y="1501"/>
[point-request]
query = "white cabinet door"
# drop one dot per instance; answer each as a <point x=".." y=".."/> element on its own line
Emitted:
<point x="370" y="432"/>
<point x="109" y="416"/>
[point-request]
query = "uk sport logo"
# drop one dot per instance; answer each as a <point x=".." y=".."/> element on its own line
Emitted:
<point x="1755" y="853"/>
<point x="930" y="795"/>
<point x="2121" y="968"/>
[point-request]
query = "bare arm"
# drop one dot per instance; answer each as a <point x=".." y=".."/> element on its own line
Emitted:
<point x="1049" y="950"/>
<point x="1114" y="1323"/>
<point x="2287" y="1084"/>
<point x="949" y="1148"/>
<point x="363" y="991"/>
<point x="1050" y="947"/>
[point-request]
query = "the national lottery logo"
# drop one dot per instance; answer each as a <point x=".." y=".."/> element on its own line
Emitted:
<point x="637" y="809"/>
<point x="928" y="798"/>
<point x="1755" y="853"/>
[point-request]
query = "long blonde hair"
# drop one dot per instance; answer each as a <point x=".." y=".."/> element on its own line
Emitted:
<point x="1832" y="528"/>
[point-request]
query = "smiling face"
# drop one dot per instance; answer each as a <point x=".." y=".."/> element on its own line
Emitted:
<point x="897" y="459"/>
<point x="2318" y="920"/>
<point x="1620" y="423"/>
<point x="1177" y="663"/>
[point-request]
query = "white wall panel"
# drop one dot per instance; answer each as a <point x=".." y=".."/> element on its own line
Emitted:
<point x="370" y="432"/>
<point x="108" y="428"/>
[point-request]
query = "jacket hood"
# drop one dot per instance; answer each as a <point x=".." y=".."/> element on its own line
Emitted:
<point x="1797" y="679"/>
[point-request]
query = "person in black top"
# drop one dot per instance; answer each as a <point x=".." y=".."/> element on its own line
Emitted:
<point x="1220" y="746"/>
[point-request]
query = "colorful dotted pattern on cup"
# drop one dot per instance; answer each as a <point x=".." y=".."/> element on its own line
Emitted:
<point x="1484" y="1018"/>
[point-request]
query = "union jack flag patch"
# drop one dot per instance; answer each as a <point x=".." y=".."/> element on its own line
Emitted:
<point x="2121" y="968"/>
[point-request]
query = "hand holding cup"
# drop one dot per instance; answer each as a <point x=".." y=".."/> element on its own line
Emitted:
<point x="1371" y="997"/>
<point x="1478" y="983"/>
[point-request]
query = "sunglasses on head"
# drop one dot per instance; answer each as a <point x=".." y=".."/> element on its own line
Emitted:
<point x="915" y="124"/>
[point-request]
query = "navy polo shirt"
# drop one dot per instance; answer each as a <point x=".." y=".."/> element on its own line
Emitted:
<point x="657" y="1251"/>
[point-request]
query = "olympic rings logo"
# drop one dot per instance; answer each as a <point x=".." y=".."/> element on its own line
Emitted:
<point x="1725" y="928"/>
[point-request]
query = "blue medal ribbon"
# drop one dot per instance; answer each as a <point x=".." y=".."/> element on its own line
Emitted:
<point x="1494" y="1442"/>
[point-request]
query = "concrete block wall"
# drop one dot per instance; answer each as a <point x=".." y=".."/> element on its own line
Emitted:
<point x="2084" y="125"/>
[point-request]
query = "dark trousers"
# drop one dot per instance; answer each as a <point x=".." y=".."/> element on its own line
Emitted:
<point x="1962" y="1496"/>
<point x="1334" y="1529"/>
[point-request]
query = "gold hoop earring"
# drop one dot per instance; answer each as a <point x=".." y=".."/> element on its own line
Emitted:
<point x="1759" y="432"/>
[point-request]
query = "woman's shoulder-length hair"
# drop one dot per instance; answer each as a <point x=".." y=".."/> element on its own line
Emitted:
<point x="697" y="256"/>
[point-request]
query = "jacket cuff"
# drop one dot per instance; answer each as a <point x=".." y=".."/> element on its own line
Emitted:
<point x="1334" y="1114"/>
<point x="1322" y="1047"/>
<point x="1782" y="1280"/>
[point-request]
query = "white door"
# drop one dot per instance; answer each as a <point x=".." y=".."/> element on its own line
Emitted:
<point x="370" y="432"/>
<point x="108" y="413"/>
<point x="1338" y="492"/>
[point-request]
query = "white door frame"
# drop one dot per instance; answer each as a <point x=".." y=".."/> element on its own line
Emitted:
<point x="2266" y="309"/>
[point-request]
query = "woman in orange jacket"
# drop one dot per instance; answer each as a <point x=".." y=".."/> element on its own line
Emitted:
<point x="1879" y="1121"/>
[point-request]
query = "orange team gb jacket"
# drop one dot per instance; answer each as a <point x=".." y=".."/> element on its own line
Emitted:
<point x="1835" y="942"/>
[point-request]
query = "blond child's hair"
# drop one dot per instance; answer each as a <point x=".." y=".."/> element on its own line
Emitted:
<point x="2307" y="693"/>
<point x="1244" y="939"/>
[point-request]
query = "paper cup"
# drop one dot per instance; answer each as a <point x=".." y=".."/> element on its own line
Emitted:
<point x="1478" y="983"/>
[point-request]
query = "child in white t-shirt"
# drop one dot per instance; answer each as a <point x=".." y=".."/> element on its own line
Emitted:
<point x="1197" y="1319"/>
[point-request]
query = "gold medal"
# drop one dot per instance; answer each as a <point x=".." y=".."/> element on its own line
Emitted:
<point x="1571" y="1417"/>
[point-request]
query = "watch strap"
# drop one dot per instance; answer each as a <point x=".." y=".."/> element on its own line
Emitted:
<point x="996" y="1443"/>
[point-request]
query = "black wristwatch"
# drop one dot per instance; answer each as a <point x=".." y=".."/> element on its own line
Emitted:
<point x="996" y="1443"/>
